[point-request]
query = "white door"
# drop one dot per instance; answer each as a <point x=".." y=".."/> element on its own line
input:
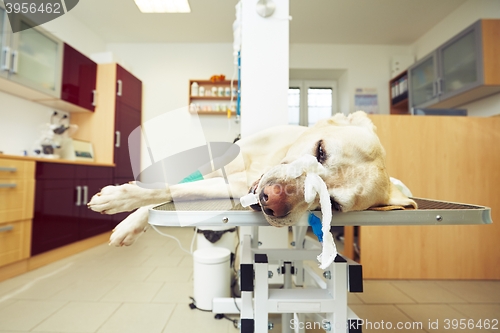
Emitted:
<point x="310" y="101"/>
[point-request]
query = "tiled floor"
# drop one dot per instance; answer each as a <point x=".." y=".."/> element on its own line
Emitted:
<point x="145" y="288"/>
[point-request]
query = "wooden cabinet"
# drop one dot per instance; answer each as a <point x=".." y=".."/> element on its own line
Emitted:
<point x="79" y="84"/>
<point x="78" y="79"/>
<point x="127" y="119"/>
<point x="128" y="89"/>
<point x="61" y="215"/>
<point x="128" y="114"/>
<point x="16" y="209"/>
<point x="462" y="70"/>
<point x="30" y="61"/>
<point x="216" y="98"/>
<point x="118" y="113"/>
<point x="455" y="160"/>
<point x="37" y="66"/>
<point x="398" y="94"/>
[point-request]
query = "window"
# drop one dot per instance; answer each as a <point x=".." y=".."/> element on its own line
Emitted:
<point x="318" y="103"/>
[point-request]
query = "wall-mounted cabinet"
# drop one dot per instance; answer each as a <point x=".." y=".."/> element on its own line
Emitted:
<point x="78" y="84"/>
<point x="208" y="97"/>
<point x="398" y="90"/>
<point x="30" y="60"/>
<point x="37" y="66"/>
<point x="464" y="69"/>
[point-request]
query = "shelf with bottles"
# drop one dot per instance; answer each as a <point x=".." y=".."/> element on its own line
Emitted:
<point x="398" y="91"/>
<point x="218" y="90"/>
<point x="212" y="107"/>
<point x="212" y="97"/>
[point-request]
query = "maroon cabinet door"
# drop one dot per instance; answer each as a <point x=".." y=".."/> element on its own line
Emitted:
<point x="128" y="89"/>
<point x="55" y="220"/>
<point x="127" y="151"/>
<point x="78" y="79"/>
<point x="61" y="214"/>
<point x="94" y="179"/>
<point x="92" y="223"/>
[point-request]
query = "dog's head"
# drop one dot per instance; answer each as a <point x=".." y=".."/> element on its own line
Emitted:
<point x="353" y="169"/>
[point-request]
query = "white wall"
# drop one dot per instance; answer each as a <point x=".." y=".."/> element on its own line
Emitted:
<point x="70" y="30"/>
<point x="343" y="93"/>
<point x="165" y="71"/>
<point x="367" y="66"/>
<point x="21" y="123"/>
<point x="462" y="17"/>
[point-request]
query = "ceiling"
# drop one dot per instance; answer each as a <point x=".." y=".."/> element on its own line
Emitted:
<point x="387" y="22"/>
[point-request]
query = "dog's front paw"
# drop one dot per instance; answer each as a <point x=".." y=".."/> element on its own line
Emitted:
<point x="114" y="199"/>
<point x="127" y="231"/>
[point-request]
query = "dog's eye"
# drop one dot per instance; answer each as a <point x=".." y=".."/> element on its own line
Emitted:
<point x="335" y="205"/>
<point x="320" y="152"/>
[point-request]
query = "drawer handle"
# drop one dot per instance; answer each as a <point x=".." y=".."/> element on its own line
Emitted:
<point x="85" y="195"/>
<point x="15" y="62"/>
<point x="120" y="88"/>
<point x="6" y="228"/>
<point x="118" y="139"/>
<point x="8" y="169"/>
<point x="6" y="59"/>
<point x="94" y="97"/>
<point x="8" y="185"/>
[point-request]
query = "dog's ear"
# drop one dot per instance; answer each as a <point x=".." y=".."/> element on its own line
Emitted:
<point x="397" y="200"/>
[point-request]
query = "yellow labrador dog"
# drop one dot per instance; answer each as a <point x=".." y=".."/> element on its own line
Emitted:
<point x="346" y="148"/>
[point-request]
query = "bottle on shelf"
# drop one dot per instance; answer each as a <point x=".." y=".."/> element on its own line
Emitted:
<point x="194" y="89"/>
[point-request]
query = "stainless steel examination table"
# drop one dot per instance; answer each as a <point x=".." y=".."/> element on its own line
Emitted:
<point x="304" y="292"/>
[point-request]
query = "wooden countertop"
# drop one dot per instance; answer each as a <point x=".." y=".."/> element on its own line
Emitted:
<point x="49" y="160"/>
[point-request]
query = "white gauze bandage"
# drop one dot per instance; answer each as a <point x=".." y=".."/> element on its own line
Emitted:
<point x="313" y="186"/>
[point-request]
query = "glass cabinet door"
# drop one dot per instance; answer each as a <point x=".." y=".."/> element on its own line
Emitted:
<point x="4" y="54"/>
<point x="36" y="59"/>
<point x="459" y="63"/>
<point x="422" y="81"/>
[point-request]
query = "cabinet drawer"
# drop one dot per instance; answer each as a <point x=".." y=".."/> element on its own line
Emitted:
<point x="16" y="199"/>
<point x="15" y="169"/>
<point x="47" y="170"/>
<point x="14" y="241"/>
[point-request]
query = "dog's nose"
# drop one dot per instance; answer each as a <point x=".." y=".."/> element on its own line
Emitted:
<point x="274" y="201"/>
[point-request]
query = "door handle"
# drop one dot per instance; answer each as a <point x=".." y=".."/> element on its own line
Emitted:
<point x="8" y="169"/>
<point x="15" y="62"/>
<point x="85" y="194"/>
<point x="118" y="139"/>
<point x="78" y="196"/>
<point x="120" y="86"/>
<point x="6" y="228"/>
<point x="94" y="97"/>
<point x="6" y="58"/>
<point x="8" y="185"/>
<point x="440" y="86"/>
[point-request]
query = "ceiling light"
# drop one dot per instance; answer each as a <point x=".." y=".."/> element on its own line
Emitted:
<point x="163" y="6"/>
